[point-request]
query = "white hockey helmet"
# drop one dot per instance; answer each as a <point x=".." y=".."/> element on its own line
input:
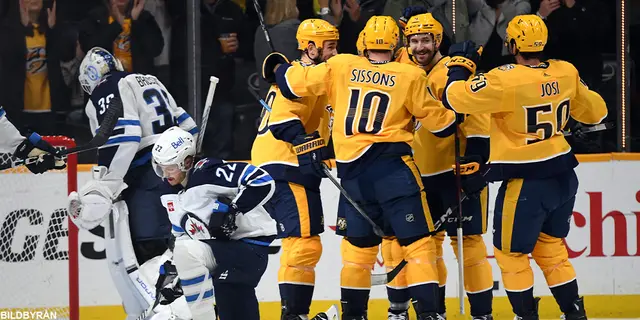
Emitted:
<point x="171" y="149"/>
<point x="96" y="64"/>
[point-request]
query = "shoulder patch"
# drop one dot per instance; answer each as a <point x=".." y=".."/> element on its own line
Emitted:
<point x="207" y="163"/>
<point x="506" y="67"/>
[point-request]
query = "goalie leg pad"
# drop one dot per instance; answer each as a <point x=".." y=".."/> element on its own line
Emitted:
<point x="296" y="277"/>
<point x="195" y="263"/>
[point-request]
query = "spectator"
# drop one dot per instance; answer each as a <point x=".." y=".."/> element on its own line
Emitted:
<point x="489" y="20"/>
<point x="126" y="30"/>
<point x="221" y="23"/>
<point x="567" y="21"/>
<point x="282" y="22"/>
<point x="31" y="67"/>
<point x="442" y="10"/>
<point x="158" y="9"/>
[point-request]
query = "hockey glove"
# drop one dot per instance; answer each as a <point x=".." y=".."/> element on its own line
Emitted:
<point x="472" y="175"/>
<point x="311" y="151"/>
<point x="409" y="12"/>
<point x="270" y="63"/>
<point x="464" y="59"/>
<point x="223" y="220"/>
<point x="39" y="156"/>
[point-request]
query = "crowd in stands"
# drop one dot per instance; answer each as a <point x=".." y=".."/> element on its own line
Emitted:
<point x="42" y="43"/>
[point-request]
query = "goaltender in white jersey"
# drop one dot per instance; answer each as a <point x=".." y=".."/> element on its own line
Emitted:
<point x="222" y="206"/>
<point x="124" y="195"/>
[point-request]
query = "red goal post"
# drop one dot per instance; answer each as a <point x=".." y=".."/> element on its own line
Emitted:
<point x="37" y="266"/>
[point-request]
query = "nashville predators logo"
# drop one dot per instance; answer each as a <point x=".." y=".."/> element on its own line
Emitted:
<point x="36" y="60"/>
<point x="342" y="224"/>
<point x="123" y="42"/>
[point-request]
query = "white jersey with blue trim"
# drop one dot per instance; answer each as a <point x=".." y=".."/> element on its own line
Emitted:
<point x="247" y="186"/>
<point x="149" y="109"/>
<point x="11" y="137"/>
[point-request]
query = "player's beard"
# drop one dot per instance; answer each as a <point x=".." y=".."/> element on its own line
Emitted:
<point x="426" y="55"/>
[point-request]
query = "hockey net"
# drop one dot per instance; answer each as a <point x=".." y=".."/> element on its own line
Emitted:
<point x="38" y="243"/>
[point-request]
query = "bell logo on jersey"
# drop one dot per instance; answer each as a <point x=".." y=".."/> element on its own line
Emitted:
<point x="177" y="144"/>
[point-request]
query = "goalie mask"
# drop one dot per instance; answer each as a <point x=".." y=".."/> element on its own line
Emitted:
<point x="95" y="66"/>
<point x="171" y="151"/>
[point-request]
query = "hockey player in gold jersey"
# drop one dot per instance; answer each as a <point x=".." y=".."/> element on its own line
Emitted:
<point x="374" y="100"/>
<point x="435" y="157"/>
<point x="297" y="206"/>
<point x="530" y="103"/>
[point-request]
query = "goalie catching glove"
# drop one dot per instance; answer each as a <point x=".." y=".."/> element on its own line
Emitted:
<point x="39" y="156"/>
<point x="270" y="63"/>
<point x="311" y="150"/>
<point x="472" y="171"/>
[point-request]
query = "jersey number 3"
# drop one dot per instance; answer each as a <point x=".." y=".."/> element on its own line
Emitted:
<point x="548" y="128"/>
<point x="154" y="99"/>
<point x="367" y="113"/>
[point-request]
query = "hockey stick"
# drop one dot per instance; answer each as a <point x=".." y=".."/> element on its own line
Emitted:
<point x="255" y="95"/>
<point x="459" y="232"/>
<point x="263" y="26"/>
<point x="378" y="279"/>
<point x="109" y="122"/>
<point x="376" y="228"/>
<point x="213" y="83"/>
<point x="596" y="128"/>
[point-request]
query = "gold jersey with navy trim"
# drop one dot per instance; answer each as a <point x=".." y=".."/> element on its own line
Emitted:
<point x="373" y="104"/>
<point x="433" y="154"/>
<point x="313" y="112"/>
<point x="529" y="106"/>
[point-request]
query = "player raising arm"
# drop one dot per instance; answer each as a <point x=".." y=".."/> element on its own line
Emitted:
<point x="530" y="103"/>
<point x="32" y="147"/>
<point x="124" y="178"/>
<point x="298" y="208"/>
<point x="374" y="100"/>
<point x="435" y="157"/>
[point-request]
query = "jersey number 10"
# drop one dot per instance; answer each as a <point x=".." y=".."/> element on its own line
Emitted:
<point x="548" y="128"/>
<point x="368" y="120"/>
<point x="154" y="99"/>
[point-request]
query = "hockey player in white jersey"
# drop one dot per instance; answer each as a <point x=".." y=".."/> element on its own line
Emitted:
<point x="40" y="152"/>
<point x="124" y="195"/>
<point x="223" y="207"/>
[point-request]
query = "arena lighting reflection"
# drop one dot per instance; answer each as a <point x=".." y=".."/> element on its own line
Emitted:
<point x="623" y="78"/>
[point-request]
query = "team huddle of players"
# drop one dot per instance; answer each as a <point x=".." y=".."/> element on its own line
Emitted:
<point x="392" y="118"/>
<point x="389" y="116"/>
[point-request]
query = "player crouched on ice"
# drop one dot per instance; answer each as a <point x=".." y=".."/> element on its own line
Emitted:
<point x="222" y="206"/>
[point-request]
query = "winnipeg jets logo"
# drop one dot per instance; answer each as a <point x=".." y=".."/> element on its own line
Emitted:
<point x="201" y="163"/>
<point x="195" y="228"/>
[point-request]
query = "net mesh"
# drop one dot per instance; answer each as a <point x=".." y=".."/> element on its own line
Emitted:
<point x="34" y="241"/>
